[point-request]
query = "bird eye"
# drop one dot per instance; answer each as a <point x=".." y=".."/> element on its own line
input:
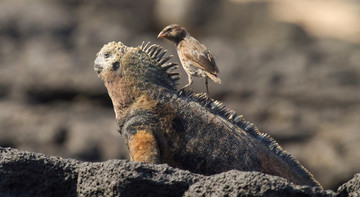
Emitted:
<point x="170" y="29"/>
<point x="106" y="55"/>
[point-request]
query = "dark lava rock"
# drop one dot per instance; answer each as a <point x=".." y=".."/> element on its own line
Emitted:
<point x="350" y="188"/>
<point x="34" y="174"/>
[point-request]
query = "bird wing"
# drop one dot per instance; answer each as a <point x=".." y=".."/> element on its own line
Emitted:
<point x="198" y="55"/>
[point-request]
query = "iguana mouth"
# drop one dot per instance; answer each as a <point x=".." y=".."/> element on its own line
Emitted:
<point x="97" y="68"/>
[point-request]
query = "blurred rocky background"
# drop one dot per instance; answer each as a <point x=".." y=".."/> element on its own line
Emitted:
<point x="290" y="67"/>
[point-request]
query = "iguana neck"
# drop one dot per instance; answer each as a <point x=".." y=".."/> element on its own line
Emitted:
<point x="122" y="95"/>
<point x="124" y="92"/>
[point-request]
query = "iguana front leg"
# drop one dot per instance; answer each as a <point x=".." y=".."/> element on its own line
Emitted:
<point x="139" y="133"/>
<point x="143" y="147"/>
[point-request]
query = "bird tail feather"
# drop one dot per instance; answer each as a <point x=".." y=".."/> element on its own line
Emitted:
<point x="213" y="77"/>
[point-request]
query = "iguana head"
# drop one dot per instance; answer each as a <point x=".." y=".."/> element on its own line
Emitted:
<point x="107" y="62"/>
<point x="130" y="72"/>
<point x="144" y="64"/>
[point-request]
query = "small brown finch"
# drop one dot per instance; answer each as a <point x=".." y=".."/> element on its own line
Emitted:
<point x="196" y="60"/>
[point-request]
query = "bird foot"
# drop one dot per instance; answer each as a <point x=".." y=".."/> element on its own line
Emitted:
<point x="208" y="100"/>
<point x="182" y="91"/>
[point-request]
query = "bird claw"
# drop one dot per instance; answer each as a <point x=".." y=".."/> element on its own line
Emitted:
<point x="208" y="100"/>
<point x="181" y="91"/>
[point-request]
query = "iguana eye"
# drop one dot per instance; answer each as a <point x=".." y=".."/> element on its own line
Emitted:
<point x="106" y="55"/>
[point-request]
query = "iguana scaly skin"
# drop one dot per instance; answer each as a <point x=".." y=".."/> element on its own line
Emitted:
<point x="187" y="131"/>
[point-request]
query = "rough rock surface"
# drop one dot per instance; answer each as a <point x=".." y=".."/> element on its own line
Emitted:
<point x="350" y="188"/>
<point x="235" y="183"/>
<point x="34" y="174"/>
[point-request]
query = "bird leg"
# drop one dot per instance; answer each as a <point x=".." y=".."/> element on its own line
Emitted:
<point x="206" y="84"/>
<point x="187" y="85"/>
<point x="208" y="99"/>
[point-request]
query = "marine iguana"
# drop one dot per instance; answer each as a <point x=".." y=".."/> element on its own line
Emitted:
<point x="185" y="130"/>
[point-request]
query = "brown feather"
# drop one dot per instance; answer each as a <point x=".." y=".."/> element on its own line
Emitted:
<point x="197" y="54"/>
<point x="213" y="77"/>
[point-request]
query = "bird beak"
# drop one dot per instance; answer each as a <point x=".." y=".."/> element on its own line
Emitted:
<point x="161" y="35"/>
